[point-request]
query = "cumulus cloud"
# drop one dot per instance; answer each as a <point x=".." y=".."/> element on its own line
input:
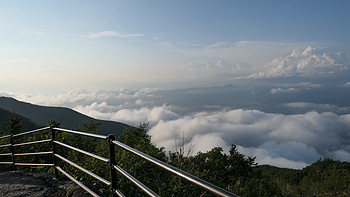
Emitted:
<point x="224" y="61"/>
<point x="307" y="62"/>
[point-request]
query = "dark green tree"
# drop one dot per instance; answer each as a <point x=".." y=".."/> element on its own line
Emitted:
<point x="54" y="123"/>
<point x="14" y="124"/>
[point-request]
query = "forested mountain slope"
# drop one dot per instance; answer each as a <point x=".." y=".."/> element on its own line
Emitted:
<point x="5" y="116"/>
<point x="41" y="115"/>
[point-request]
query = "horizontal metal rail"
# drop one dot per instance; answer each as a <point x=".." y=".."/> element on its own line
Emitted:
<point x="37" y="153"/>
<point x="5" y="154"/>
<point x="6" y="136"/>
<point x="5" y="145"/>
<point x="194" y="180"/>
<point x="6" y="162"/>
<point x="136" y="182"/>
<point x="34" y="164"/>
<point x="33" y="131"/>
<point x="77" y="182"/>
<point x="34" y="142"/>
<point x="84" y="170"/>
<point x="82" y="151"/>
<point x="82" y="133"/>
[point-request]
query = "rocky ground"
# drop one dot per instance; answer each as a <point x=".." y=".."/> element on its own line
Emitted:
<point x="19" y="183"/>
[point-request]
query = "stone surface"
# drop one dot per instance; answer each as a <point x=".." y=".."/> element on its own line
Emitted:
<point x="22" y="184"/>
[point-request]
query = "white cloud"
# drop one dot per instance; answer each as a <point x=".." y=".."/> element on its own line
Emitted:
<point x="281" y="90"/>
<point x="129" y="116"/>
<point x="307" y="62"/>
<point x="265" y="158"/>
<point x="83" y="97"/>
<point x="111" y="34"/>
<point x="291" y="88"/>
<point x="6" y="94"/>
<point x="202" y="143"/>
<point x="303" y="85"/>
<point x="347" y="84"/>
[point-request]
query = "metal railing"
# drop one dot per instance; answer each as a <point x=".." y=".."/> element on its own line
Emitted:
<point x="112" y="183"/>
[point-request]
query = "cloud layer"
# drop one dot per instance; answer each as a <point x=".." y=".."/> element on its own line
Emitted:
<point x="292" y="141"/>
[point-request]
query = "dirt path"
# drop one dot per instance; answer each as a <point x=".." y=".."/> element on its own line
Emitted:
<point x="35" y="185"/>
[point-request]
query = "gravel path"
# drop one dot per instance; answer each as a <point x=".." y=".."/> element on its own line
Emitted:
<point x="22" y="184"/>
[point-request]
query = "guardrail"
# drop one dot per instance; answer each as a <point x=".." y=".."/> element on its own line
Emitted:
<point x="110" y="139"/>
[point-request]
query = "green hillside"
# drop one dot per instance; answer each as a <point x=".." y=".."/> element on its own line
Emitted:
<point x="323" y="178"/>
<point x="40" y="115"/>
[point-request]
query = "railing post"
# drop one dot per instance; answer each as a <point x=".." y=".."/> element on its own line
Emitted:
<point x="53" y="138"/>
<point x="13" y="153"/>
<point x="114" y="185"/>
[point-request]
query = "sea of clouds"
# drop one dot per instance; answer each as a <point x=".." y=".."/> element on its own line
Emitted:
<point x="292" y="141"/>
<point x="283" y="140"/>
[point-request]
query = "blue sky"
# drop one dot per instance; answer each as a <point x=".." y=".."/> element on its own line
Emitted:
<point x="116" y="44"/>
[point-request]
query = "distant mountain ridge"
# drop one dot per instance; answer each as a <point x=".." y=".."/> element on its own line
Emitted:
<point x="41" y="115"/>
<point x="5" y="117"/>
